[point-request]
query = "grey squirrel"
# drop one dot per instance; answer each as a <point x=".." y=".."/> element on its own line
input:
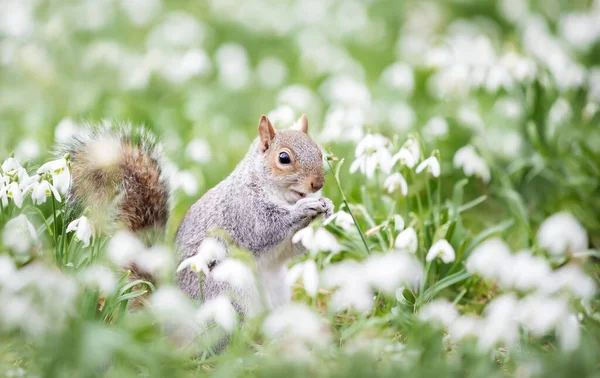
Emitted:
<point x="274" y="192"/>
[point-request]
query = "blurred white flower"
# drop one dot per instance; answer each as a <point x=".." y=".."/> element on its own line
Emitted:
<point x="186" y="181"/>
<point x="439" y="311"/>
<point x="580" y="29"/>
<point x="401" y="117"/>
<point x="388" y="272"/>
<point x="435" y="128"/>
<point x="464" y="326"/>
<point x="400" y="77"/>
<point x="210" y="250"/>
<point x="525" y="272"/>
<point x="299" y="97"/>
<point x="372" y="153"/>
<point x="65" y="130"/>
<point x="394" y="182"/>
<point x="431" y="164"/>
<point x="471" y="163"/>
<point x="346" y="91"/>
<point x="100" y="277"/>
<point x="19" y="235"/>
<point x="124" y="247"/>
<point x="398" y="222"/>
<point x="177" y="30"/>
<point x="469" y="117"/>
<point x="61" y="177"/>
<point x="218" y="310"/>
<point x="540" y="314"/>
<point x="233" y="65"/>
<point x="180" y="68"/>
<point x="570" y="278"/>
<point x="154" y="260"/>
<point x="441" y="249"/>
<point x="569" y="333"/>
<point x="319" y="240"/>
<point x="199" y="151"/>
<point x="296" y="322"/>
<point x="282" y="116"/>
<point x="13" y="191"/>
<point x="234" y="272"/>
<point x="341" y="219"/>
<point x="83" y="230"/>
<point x="28" y="149"/>
<point x="353" y="288"/>
<point x="310" y="276"/>
<point x="500" y="324"/>
<point x="343" y="124"/>
<point x="272" y="72"/>
<point x="562" y="233"/>
<point x="490" y="259"/>
<point x="141" y="12"/>
<point x="407" y="241"/>
<point x="560" y="113"/>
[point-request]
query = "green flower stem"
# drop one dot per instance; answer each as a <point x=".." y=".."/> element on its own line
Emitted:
<point x="57" y="250"/>
<point x="339" y="185"/>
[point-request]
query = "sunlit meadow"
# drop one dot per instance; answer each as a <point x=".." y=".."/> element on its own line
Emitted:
<point x="462" y="151"/>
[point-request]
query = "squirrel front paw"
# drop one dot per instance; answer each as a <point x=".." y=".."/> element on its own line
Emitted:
<point x="311" y="207"/>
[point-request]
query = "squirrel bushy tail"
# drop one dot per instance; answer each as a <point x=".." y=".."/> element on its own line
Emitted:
<point x="117" y="171"/>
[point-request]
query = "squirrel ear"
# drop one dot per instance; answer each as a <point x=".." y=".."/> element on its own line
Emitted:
<point x="266" y="132"/>
<point x="303" y="121"/>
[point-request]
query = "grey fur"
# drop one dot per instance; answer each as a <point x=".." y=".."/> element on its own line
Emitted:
<point x="250" y="206"/>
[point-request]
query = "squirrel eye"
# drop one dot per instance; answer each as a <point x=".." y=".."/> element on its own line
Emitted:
<point x="284" y="158"/>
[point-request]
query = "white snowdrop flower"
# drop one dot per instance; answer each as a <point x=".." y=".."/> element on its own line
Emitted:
<point x="580" y="29"/>
<point x="43" y="190"/>
<point x="295" y="321"/>
<point x="310" y="276"/>
<point x="573" y="279"/>
<point x="12" y="191"/>
<point x="218" y="310"/>
<point x="521" y="68"/>
<point x="439" y="311"/>
<point x="436" y="128"/>
<point x="400" y="77"/>
<point x="319" y="240"/>
<point x="470" y="118"/>
<point x="590" y="110"/>
<point x="19" y="234"/>
<point x="141" y="12"/>
<point x="171" y="302"/>
<point x="7" y="269"/>
<point x="398" y="222"/>
<point x="405" y="157"/>
<point x="61" y="177"/>
<point x="353" y="288"/>
<point x="100" y="277"/>
<point x="153" y="260"/>
<point x="210" y="250"/>
<point x="541" y="314"/>
<point x="507" y="144"/>
<point x="17" y="18"/>
<point x="199" y="151"/>
<point x="431" y="164"/>
<point x="490" y="259"/>
<point x="562" y="233"/>
<point x="83" y="230"/>
<point x="234" y="69"/>
<point x="394" y="182"/>
<point x="124" y="247"/>
<point x="508" y="107"/>
<point x="28" y="149"/>
<point x="525" y="272"/>
<point x="233" y="271"/>
<point x="298" y="97"/>
<point x="463" y="327"/>
<point x="388" y="272"/>
<point x="343" y="124"/>
<point x="401" y="116"/>
<point x="65" y="130"/>
<point x="569" y="333"/>
<point x="11" y="166"/>
<point x="513" y="10"/>
<point x="559" y="114"/>
<point x="272" y="72"/>
<point x="499" y="324"/>
<point x="407" y="241"/>
<point x="441" y="249"/>
<point x="472" y="164"/>
<point x="372" y="153"/>
<point x="282" y="116"/>
<point x="347" y="91"/>
<point x="186" y="181"/>
<point x="341" y="219"/>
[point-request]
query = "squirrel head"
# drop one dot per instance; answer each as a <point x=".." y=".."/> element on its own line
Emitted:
<point x="292" y="160"/>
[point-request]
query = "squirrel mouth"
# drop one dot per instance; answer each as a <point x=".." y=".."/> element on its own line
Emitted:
<point x="299" y="194"/>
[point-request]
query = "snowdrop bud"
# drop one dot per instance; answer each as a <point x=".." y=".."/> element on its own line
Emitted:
<point x="394" y="182"/>
<point x="83" y="230"/>
<point x="441" y="249"/>
<point x="19" y="234"/>
<point x="234" y="272"/>
<point x="398" y="223"/>
<point x="431" y="164"/>
<point x="341" y="219"/>
<point x="407" y="241"/>
<point x="562" y="233"/>
<point x="43" y="190"/>
<point x="220" y="311"/>
<point x="320" y="240"/>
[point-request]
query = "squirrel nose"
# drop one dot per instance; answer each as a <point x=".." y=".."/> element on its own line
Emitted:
<point x="317" y="184"/>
